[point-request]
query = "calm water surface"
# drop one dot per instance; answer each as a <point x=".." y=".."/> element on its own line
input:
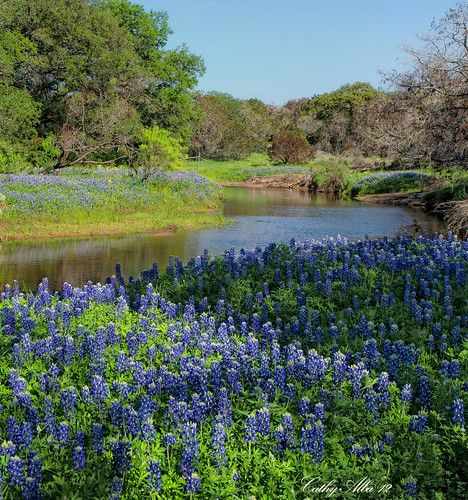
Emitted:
<point x="259" y="217"/>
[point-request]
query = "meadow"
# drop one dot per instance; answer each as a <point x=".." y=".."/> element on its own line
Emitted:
<point x="88" y="202"/>
<point x="262" y="374"/>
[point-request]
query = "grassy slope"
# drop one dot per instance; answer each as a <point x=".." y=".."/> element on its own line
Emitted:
<point x="173" y="208"/>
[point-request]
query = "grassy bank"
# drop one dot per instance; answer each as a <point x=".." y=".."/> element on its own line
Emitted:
<point x="80" y="203"/>
<point x="337" y="175"/>
<point x="256" y="164"/>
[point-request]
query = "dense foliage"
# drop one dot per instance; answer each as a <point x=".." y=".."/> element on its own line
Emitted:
<point x="241" y="375"/>
<point x="90" y="76"/>
<point x="229" y="128"/>
<point x="82" y="81"/>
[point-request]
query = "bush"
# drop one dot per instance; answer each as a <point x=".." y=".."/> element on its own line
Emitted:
<point x="290" y="147"/>
<point x="159" y="150"/>
<point x="330" y="174"/>
<point x="12" y="158"/>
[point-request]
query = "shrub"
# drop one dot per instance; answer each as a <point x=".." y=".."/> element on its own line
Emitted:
<point x="12" y="159"/>
<point x="330" y="174"/>
<point x="290" y="147"/>
<point x="159" y="150"/>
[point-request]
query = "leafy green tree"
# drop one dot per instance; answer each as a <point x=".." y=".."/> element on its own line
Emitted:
<point x="101" y="55"/>
<point x="159" y="150"/>
<point x="343" y="100"/>
<point x="19" y="113"/>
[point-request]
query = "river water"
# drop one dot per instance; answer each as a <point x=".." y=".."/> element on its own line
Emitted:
<point x="259" y="216"/>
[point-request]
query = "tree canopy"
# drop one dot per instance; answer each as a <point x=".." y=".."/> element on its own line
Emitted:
<point x="93" y="73"/>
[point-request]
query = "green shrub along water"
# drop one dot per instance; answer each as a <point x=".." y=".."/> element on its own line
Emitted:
<point x="269" y="373"/>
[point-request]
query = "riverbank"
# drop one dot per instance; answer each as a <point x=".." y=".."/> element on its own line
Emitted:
<point x="80" y="204"/>
<point x="241" y="172"/>
<point x="280" y="181"/>
<point x="414" y="200"/>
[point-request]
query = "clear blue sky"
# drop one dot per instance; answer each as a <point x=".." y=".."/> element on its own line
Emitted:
<point x="278" y="50"/>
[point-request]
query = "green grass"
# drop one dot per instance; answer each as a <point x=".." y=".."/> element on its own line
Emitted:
<point x="80" y="203"/>
<point x="256" y="164"/>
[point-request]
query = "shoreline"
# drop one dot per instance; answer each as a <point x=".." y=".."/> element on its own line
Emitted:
<point x="106" y="229"/>
<point x="299" y="182"/>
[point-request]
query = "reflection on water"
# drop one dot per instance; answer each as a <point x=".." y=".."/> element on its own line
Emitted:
<point x="259" y="217"/>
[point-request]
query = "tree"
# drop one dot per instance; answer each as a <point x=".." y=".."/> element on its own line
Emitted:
<point x="227" y="129"/>
<point x="290" y="147"/>
<point x="438" y="82"/>
<point x="343" y="100"/>
<point x="80" y="61"/>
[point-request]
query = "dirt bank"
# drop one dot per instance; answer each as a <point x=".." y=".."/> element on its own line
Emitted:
<point x="280" y="181"/>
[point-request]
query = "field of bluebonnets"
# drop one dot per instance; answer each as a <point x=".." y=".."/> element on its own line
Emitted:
<point x="264" y="374"/>
<point x="112" y="188"/>
<point x="84" y="202"/>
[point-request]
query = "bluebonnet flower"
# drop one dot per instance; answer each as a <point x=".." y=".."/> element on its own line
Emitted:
<point x="288" y="430"/>
<point x="458" y="412"/>
<point x="35" y="468"/>
<point x="263" y="421"/>
<point x="454" y="369"/>
<point x="154" y="475"/>
<point x="69" y="399"/>
<point x="30" y="488"/>
<point x="305" y="406"/>
<point x="339" y="368"/>
<point x="319" y="412"/>
<point x="15" y="471"/>
<point x="191" y="449"/>
<point x="99" y="389"/>
<point x="97" y="439"/>
<point x="218" y="439"/>
<point x="169" y="439"/>
<point x="63" y="434"/>
<point x="7" y="448"/>
<point x="356" y="373"/>
<point x="410" y="487"/>
<point x="371" y="401"/>
<point x="424" y="391"/>
<point x="250" y="429"/>
<point x="193" y="483"/>
<point x="358" y="450"/>
<point x="418" y="423"/>
<point x="78" y="453"/>
<point x="121" y="457"/>
<point x="406" y="393"/>
<point x="116" y="486"/>
<point x="131" y="420"/>
<point x="312" y="436"/>
<point x="148" y="430"/>
<point x="371" y="353"/>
